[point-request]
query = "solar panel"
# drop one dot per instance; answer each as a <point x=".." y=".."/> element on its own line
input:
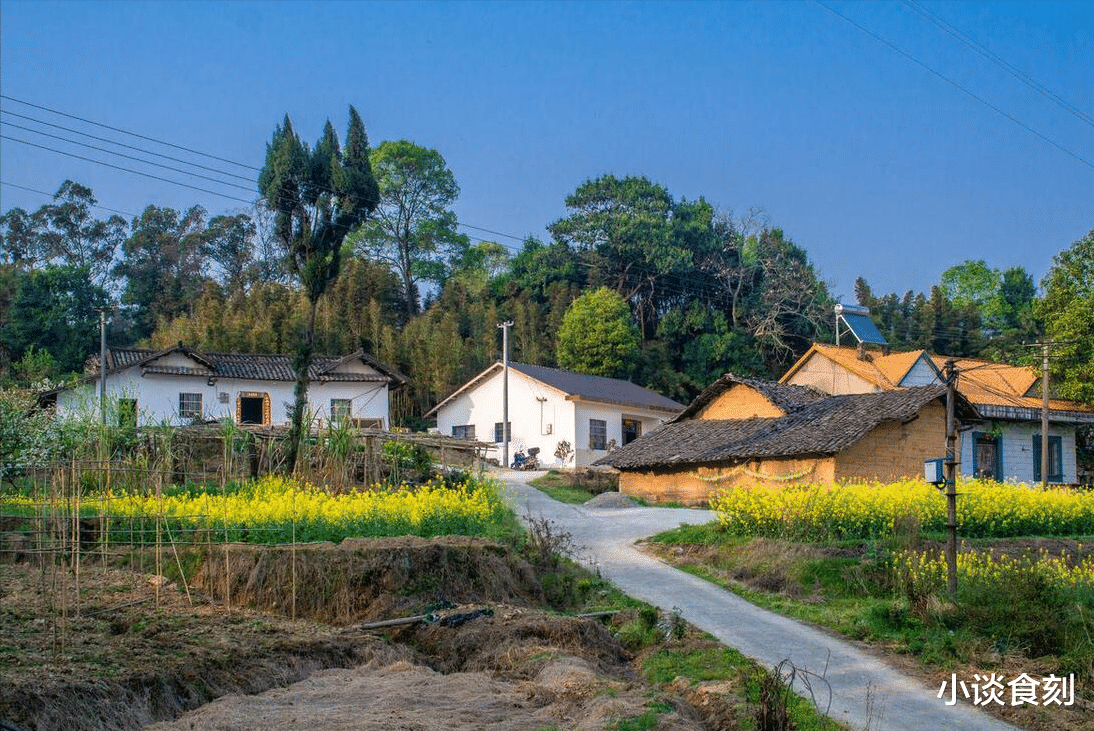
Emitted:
<point x="863" y="328"/>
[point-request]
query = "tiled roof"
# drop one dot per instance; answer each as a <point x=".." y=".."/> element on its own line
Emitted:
<point x="244" y="366"/>
<point x="599" y="388"/>
<point x="578" y="386"/>
<point x="998" y="387"/>
<point x="827" y="425"/>
<point x="883" y="371"/>
<point x="785" y="396"/>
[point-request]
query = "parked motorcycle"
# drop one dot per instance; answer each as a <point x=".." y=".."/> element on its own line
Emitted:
<point x="522" y="461"/>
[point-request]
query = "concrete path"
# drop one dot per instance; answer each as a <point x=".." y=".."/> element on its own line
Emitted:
<point x="865" y="692"/>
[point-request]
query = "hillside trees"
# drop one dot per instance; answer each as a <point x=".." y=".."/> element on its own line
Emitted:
<point x="414" y="229"/>
<point x="1068" y="312"/>
<point x="597" y="336"/>
<point x="318" y="197"/>
<point x="162" y="265"/>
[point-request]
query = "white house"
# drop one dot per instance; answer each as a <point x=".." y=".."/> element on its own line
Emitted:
<point x="548" y="406"/>
<point x="180" y="386"/>
<point x="1006" y="446"/>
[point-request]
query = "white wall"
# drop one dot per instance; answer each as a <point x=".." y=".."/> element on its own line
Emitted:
<point x="613" y="417"/>
<point x="535" y="408"/>
<point x="539" y="416"/>
<point x="157" y="397"/>
<point x="1017" y="445"/>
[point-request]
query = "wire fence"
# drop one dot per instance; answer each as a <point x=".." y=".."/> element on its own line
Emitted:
<point x="60" y="520"/>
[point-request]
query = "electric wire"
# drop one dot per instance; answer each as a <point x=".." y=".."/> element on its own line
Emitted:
<point x="998" y="61"/>
<point x="897" y="49"/>
<point x="128" y="170"/>
<point x="129" y="157"/>
<point x="134" y="134"/>
<point x="122" y="144"/>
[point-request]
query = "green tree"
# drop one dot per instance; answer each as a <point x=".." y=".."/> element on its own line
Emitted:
<point x="1068" y="313"/>
<point x="20" y="243"/>
<point x="637" y="240"/>
<point x="163" y="265"/>
<point x="318" y="197"/>
<point x="414" y="229"/>
<point x="72" y="235"/>
<point x="230" y="244"/>
<point x="597" y="335"/>
<point x="53" y="312"/>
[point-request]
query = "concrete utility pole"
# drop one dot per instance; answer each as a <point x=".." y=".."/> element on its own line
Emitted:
<point x="950" y="374"/>
<point x="505" y="390"/>
<point x="102" y="364"/>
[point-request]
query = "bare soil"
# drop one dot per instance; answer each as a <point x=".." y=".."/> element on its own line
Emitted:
<point x="129" y="650"/>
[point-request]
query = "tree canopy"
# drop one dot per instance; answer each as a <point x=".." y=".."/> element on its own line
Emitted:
<point x="414" y="229"/>
<point x="1068" y="312"/>
<point x="597" y="335"/>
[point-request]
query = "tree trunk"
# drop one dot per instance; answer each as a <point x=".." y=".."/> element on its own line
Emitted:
<point x="301" y="364"/>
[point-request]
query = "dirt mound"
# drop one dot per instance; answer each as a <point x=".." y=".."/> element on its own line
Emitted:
<point x="611" y="500"/>
<point x="518" y="643"/>
<point x="368" y="578"/>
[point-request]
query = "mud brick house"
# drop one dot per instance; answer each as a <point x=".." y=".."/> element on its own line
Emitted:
<point x="1006" y="446"/>
<point x="744" y="430"/>
<point x="180" y="386"/>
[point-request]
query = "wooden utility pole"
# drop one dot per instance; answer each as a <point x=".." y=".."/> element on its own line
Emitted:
<point x="950" y="374"/>
<point x="1044" y="415"/>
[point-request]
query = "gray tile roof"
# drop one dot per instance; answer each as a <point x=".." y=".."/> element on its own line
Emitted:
<point x="786" y="397"/>
<point x="599" y="388"/>
<point x="817" y="426"/>
<point x="578" y="385"/>
<point x="244" y="366"/>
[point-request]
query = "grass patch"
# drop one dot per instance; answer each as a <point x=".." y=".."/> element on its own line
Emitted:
<point x="559" y="486"/>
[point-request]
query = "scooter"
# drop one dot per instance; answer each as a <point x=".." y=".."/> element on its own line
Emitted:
<point x="526" y="462"/>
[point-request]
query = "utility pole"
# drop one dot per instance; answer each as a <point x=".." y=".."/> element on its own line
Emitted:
<point x="505" y="390"/>
<point x="950" y="374"/>
<point x="1044" y="415"/>
<point x="1045" y="347"/>
<point x="102" y="364"/>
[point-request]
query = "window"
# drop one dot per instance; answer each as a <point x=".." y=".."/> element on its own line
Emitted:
<point x="190" y="406"/>
<point x="598" y="434"/>
<point x="464" y="431"/>
<point x="632" y="429"/>
<point x="1055" y="458"/>
<point x="340" y="410"/>
<point x="987" y="456"/>
<point x="498" y="436"/>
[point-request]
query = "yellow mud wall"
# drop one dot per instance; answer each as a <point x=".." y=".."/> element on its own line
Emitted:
<point x="696" y="486"/>
<point x="739" y="402"/>
<point x="895" y="451"/>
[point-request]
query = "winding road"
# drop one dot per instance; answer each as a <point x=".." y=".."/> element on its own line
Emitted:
<point x="865" y="692"/>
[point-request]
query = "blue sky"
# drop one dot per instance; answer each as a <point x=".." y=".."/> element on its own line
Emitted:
<point x="877" y="166"/>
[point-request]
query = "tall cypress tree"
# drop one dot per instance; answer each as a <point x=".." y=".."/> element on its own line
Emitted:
<point x="317" y="196"/>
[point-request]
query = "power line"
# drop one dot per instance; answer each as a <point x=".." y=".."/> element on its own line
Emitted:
<point x="129" y="157"/>
<point x="121" y="144"/>
<point x="118" y="167"/>
<point x="1010" y="69"/>
<point x="126" y="132"/>
<point x="956" y="85"/>
<point x="53" y="195"/>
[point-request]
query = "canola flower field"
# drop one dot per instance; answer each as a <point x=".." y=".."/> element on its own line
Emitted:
<point x="872" y="510"/>
<point x="278" y="510"/>
<point x="924" y="572"/>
